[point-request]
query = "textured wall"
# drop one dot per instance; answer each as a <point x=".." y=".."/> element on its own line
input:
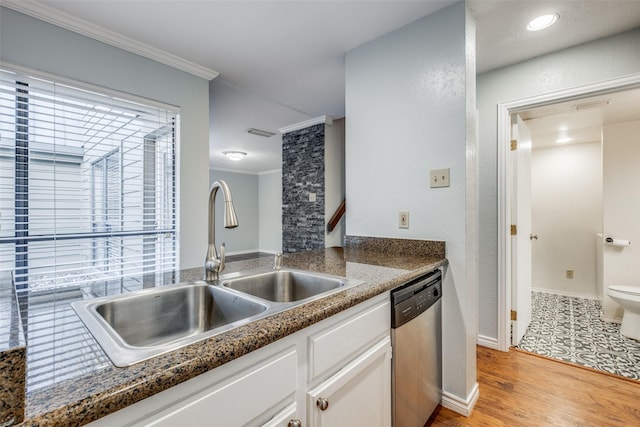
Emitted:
<point x="303" y="221"/>
<point x="409" y="98"/>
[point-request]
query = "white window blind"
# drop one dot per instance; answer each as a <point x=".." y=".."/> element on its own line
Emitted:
<point x="87" y="199"/>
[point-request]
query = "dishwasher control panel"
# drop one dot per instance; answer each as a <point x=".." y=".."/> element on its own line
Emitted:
<point x="415" y="297"/>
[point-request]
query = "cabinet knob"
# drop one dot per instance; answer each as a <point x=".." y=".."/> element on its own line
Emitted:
<point x="294" y="423"/>
<point x="322" y="403"/>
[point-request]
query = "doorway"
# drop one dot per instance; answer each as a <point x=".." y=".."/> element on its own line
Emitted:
<point x="506" y="188"/>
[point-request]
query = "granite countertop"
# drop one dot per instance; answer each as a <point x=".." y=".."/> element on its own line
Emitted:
<point x="103" y="388"/>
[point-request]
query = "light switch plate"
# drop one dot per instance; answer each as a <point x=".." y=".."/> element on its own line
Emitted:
<point x="439" y="178"/>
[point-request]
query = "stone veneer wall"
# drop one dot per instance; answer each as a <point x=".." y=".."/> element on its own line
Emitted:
<point x="303" y="222"/>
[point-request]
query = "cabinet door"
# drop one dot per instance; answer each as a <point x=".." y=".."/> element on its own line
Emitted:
<point x="358" y="395"/>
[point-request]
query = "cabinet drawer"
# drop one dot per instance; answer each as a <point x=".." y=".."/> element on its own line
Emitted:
<point x="237" y="401"/>
<point x="339" y="344"/>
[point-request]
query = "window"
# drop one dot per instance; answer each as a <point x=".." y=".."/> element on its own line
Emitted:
<point x="87" y="200"/>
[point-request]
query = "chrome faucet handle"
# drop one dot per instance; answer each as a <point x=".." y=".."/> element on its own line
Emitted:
<point x="277" y="262"/>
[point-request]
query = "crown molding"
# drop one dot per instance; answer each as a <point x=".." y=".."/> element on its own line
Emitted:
<point x="71" y="23"/>
<point x="307" y="123"/>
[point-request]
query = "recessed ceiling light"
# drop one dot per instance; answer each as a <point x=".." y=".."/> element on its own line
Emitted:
<point x="563" y="140"/>
<point x="234" y="155"/>
<point x="542" y="22"/>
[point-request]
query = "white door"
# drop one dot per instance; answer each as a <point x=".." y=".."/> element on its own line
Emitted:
<point x="359" y="395"/>
<point x="521" y="218"/>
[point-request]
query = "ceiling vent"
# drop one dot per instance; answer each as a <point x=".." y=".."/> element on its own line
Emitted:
<point x="260" y="132"/>
<point x="592" y="104"/>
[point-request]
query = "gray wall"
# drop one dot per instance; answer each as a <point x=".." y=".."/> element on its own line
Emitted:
<point x="270" y="211"/>
<point x="244" y="191"/>
<point x="29" y="42"/>
<point x="410" y="105"/>
<point x="597" y="61"/>
<point x="334" y="179"/>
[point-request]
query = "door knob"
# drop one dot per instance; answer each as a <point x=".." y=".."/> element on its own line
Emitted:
<point x="294" y="423"/>
<point x="322" y="403"/>
<point x="533" y="236"/>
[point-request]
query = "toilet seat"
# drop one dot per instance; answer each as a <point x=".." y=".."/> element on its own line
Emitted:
<point x="633" y="291"/>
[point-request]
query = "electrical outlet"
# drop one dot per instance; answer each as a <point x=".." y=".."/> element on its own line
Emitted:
<point x="312" y="197"/>
<point x="439" y="178"/>
<point x="403" y="219"/>
<point x="569" y="274"/>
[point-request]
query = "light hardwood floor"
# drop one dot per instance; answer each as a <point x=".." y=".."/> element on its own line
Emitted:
<point x="521" y="389"/>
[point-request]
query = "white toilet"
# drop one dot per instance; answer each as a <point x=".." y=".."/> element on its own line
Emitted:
<point x="629" y="298"/>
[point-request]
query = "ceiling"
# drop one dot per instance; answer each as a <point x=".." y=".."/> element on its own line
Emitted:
<point x="282" y="62"/>
<point x="580" y="121"/>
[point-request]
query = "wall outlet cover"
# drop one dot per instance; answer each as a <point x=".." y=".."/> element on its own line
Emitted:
<point x="403" y="219"/>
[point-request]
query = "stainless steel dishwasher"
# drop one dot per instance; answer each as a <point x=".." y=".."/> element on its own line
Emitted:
<point x="416" y="337"/>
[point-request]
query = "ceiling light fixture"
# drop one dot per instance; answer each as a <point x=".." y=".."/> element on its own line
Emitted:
<point x="234" y="155"/>
<point x="260" y="132"/>
<point x="542" y="22"/>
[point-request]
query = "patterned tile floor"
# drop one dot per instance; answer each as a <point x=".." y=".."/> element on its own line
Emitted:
<point x="570" y="329"/>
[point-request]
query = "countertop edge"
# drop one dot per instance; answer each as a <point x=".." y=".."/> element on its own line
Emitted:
<point x="260" y="333"/>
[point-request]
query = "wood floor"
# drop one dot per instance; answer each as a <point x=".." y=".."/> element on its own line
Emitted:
<point x="521" y="389"/>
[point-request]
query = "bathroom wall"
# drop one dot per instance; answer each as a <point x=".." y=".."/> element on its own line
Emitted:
<point x="621" y="213"/>
<point x="566" y="210"/>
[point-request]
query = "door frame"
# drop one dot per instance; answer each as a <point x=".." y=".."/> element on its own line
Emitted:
<point x="505" y="192"/>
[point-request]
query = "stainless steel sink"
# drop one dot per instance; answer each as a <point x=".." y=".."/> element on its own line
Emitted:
<point x="139" y="325"/>
<point x="285" y="285"/>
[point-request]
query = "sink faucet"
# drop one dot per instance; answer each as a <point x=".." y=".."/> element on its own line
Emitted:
<point x="277" y="262"/>
<point x="214" y="264"/>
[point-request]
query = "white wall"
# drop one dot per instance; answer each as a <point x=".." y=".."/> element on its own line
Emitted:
<point x="270" y="211"/>
<point x="597" y="61"/>
<point x="409" y="95"/>
<point x="244" y="192"/>
<point x="64" y="53"/>
<point x="621" y="155"/>
<point x="334" y="179"/>
<point x="566" y="205"/>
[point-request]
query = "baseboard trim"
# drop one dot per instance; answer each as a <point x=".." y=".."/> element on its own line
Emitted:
<point x="462" y="407"/>
<point x="489" y="342"/>
<point x="611" y="319"/>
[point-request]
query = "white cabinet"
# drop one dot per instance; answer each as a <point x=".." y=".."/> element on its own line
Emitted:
<point x="357" y="395"/>
<point x="345" y="359"/>
<point x="288" y="417"/>
<point x="237" y="401"/>
<point x="251" y="391"/>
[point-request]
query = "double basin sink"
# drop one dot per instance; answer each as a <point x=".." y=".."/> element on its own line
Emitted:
<point x="139" y="325"/>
